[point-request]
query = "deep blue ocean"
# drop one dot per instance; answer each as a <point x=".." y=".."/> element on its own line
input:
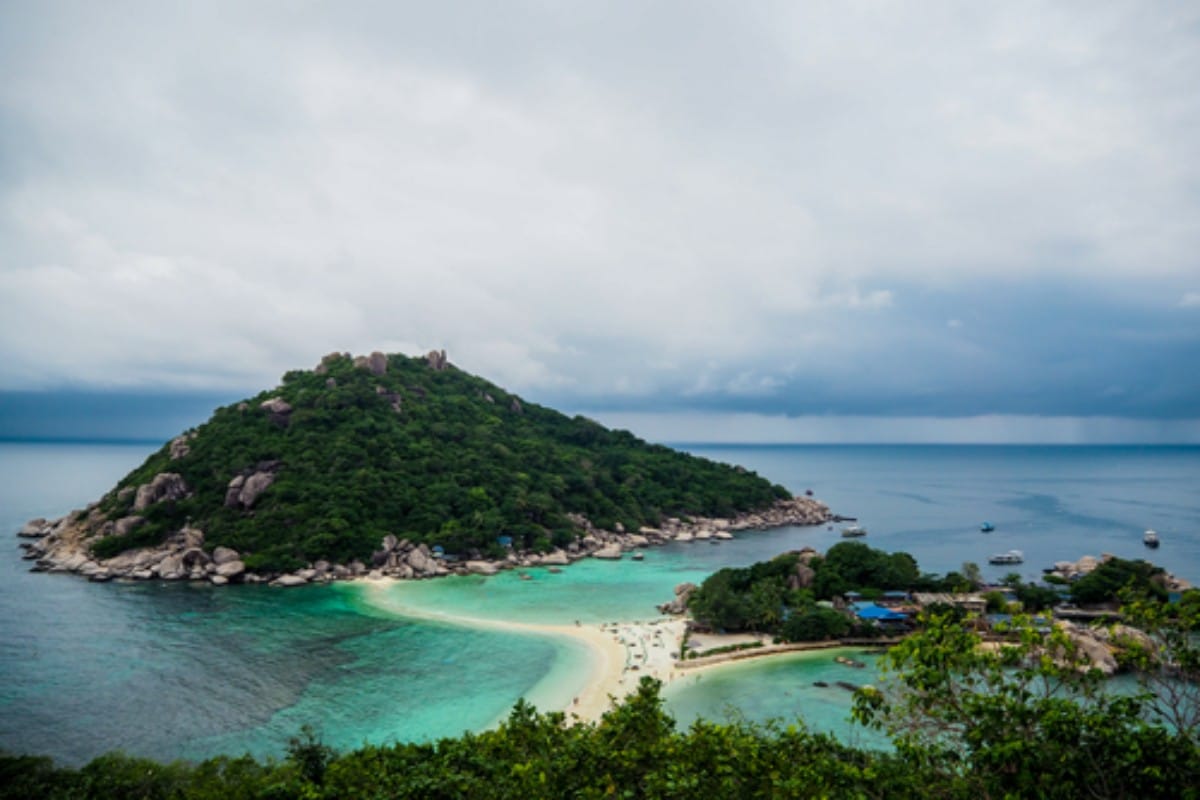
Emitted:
<point x="180" y="671"/>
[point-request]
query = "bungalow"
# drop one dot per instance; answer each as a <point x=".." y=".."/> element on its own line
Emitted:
<point x="894" y="598"/>
<point x="869" y="612"/>
<point x="971" y="603"/>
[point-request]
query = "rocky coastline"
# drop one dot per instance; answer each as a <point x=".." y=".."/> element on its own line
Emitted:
<point x="64" y="546"/>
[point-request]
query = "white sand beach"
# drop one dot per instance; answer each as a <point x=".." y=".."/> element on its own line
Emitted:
<point x="623" y="652"/>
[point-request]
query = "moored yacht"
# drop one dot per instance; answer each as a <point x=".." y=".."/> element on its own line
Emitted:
<point x="1011" y="557"/>
<point x="1150" y="539"/>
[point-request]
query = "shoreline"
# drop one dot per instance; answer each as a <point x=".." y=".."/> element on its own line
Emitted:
<point x="65" y="545"/>
<point x="622" y="653"/>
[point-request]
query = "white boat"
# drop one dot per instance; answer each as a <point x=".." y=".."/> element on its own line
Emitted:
<point x="1011" y="557"/>
<point x="1150" y="539"/>
<point x="854" y="530"/>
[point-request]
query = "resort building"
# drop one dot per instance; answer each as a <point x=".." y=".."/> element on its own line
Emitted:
<point x="971" y="603"/>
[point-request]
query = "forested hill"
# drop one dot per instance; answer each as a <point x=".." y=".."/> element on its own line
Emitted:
<point x="337" y="457"/>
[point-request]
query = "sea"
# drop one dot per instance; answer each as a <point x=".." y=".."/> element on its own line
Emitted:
<point x="182" y="671"/>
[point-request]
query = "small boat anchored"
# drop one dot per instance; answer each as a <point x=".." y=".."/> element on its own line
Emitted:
<point x="987" y="527"/>
<point x="1011" y="557"/>
<point x="1150" y="539"/>
<point x="853" y="531"/>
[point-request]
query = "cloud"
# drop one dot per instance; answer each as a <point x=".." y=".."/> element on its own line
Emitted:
<point x="1190" y="300"/>
<point x="749" y="428"/>
<point x="772" y="209"/>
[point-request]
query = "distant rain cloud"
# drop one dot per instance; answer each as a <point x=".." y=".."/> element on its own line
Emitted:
<point x="781" y="209"/>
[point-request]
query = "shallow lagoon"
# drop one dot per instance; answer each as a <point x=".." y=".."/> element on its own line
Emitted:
<point x="179" y="671"/>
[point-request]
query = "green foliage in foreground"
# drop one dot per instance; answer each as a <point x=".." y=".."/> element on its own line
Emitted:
<point x="1020" y="721"/>
<point x="1028" y="718"/>
<point x="438" y="456"/>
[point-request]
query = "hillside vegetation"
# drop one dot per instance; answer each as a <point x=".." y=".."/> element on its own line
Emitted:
<point x="356" y="449"/>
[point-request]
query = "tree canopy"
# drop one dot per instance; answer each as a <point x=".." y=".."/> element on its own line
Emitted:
<point x="433" y="454"/>
<point x="780" y="596"/>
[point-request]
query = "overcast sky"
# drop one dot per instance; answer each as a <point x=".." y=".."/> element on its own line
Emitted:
<point x="803" y="216"/>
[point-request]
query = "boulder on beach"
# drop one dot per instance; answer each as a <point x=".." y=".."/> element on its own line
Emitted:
<point x="610" y="552"/>
<point x="683" y="593"/>
<point x="224" y="555"/>
<point x="230" y="569"/>
<point x="422" y="562"/>
<point x="34" y="529"/>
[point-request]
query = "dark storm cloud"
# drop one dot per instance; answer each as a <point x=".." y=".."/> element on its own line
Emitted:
<point x="781" y="208"/>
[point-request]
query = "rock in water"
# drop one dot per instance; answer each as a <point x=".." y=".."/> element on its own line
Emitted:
<point x="224" y="555"/>
<point x="611" y="552"/>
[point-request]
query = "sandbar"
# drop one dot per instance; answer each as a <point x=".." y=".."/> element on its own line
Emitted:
<point x="622" y="652"/>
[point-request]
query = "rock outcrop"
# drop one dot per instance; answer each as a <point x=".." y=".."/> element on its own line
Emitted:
<point x="437" y="360"/>
<point x="164" y="486"/>
<point x="179" y="446"/>
<point x="1095" y="652"/>
<point x="278" y="410"/>
<point x="376" y="363"/>
<point x="35" y="529"/>
<point x="802" y="578"/>
<point x="328" y="359"/>
<point x="65" y="545"/>
<point x="683" y="593"/>
<point x="609" y="551"/>
<point x="244" y="490"/>
<point x="422" y="561"/>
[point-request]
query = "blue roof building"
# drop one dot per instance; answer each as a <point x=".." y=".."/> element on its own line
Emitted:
<point x="870" y="611"/>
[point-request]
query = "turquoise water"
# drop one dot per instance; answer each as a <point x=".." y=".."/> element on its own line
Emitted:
<point x="779" y="688"/>
<point x="589" y="591"/>
<point x="179" y="671"/>
<point x="1053" y="503"/>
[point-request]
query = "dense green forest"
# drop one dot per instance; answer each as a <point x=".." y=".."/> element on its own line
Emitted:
<point x="420" y="449"/>
<point x="780" y="596"/>
<point x="965" y="722"/>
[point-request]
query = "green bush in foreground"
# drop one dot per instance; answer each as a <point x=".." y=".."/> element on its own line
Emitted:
<point x="1021" y="720"/>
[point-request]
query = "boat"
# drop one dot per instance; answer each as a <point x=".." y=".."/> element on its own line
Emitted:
<point x="987" y="527"/>
<point x="638" y="556"/>
<point x="853" y="531"/>
<point x="1150" y="539"/>
<point x="1011" y="557"/>
<point x="849" y="662"/>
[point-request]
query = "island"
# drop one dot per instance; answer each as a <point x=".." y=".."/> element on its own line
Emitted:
<point x="403" y="467"/>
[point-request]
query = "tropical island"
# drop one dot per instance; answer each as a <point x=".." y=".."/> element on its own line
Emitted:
<point x="973" y="708"/>
<point x="381" y="468"/>
<point x="399" y="467"/>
